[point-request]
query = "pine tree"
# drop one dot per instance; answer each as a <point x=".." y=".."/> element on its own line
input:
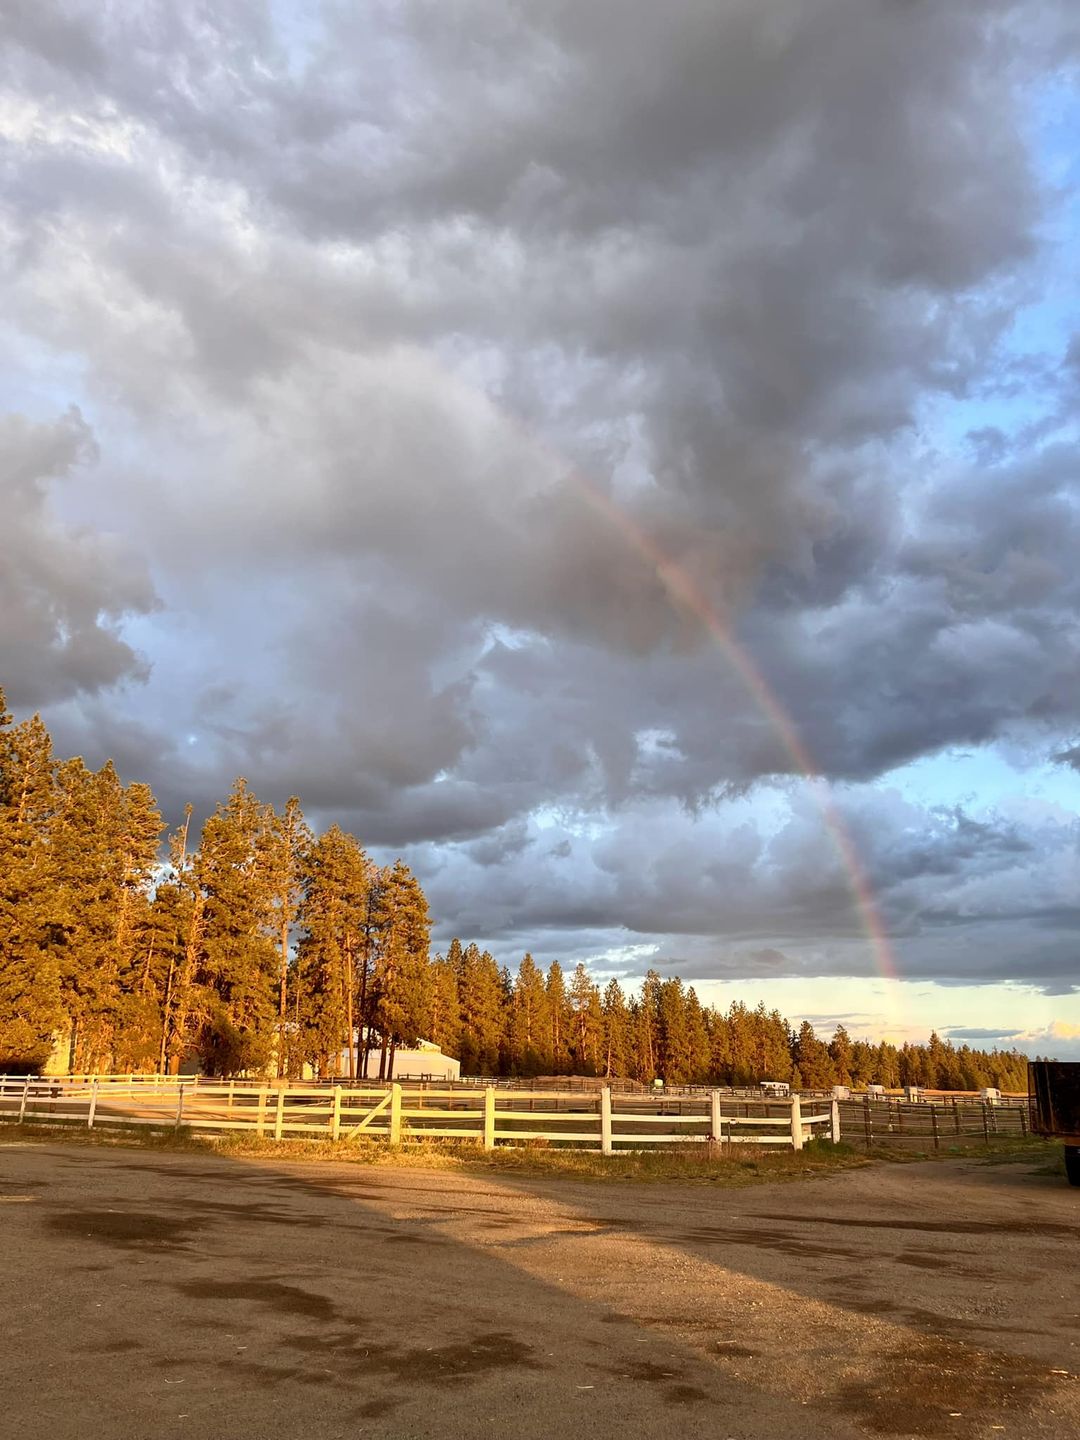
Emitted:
<point x="445" y="1014"/>
<point x="616" y="1031"/>
<point x="595" y="1043"/>
<point x="326" y="979"/>
<point x="286" y="842"/>
<point x="404" y="931"/>
<point x="480" y="994"/>
<point x="82" y="913"/>
<point x="30" y="1011"/>
<point x="812" y="1059"/>
<point x="647" y="1030"/>
<point x="237" y="951"/>
<point x="103" y="849"/>
<point x="698" y="1046"/>
<point x="773" y="1046"/>
<point x="530" y="1022"/>
<point x="586" y="1023"/>
<point x="506" y="1041"/>
<point x="179" y="911"/>
<point x="673" y="1050"/>
<point x="137" y="829"/>
<point x="721" y="1067"/>
<point x="745" y="1058"/>
<point x="866" y="1067"/>
<point x="558" y="1014"/>
<point x="842" y="1053"/>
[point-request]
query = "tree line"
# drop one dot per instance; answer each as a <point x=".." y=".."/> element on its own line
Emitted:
<point x="259" y="947"/>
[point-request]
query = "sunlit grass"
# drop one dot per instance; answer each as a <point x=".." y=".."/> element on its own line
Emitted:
<point x="726" y="1165"/>
<point x="730" y="1165"/>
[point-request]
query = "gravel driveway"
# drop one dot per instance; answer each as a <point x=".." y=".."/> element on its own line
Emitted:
<point x="169" y="1294"/>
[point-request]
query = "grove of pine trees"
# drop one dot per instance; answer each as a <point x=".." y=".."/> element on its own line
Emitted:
<point x="259" y="947"/>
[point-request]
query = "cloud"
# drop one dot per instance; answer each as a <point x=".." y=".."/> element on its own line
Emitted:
<point x="64" y="593"/>
<point x="979" y="1034"/>
<point x="507" y="433"/>
<point x="1058" y="1041"/>
<point x="727" y="895"/>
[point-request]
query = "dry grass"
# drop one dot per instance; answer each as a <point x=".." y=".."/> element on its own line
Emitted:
<point x="727" y="1165"/>
<point x="1004" y="1150"/>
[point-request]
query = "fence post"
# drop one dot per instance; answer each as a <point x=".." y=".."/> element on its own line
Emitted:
<point x="489" y="1117"/>
<point x="868" y="1122"/>
<point x="260" y="1118"/>
<point x="986" y="1125"/>
<point x="395" y="1114"/>
<point x="796" y="1123"/>
<point x="229" y="1104"/>
<point x="279" y="1113"/>
<point x="335" y="1118"/>
<point x="22" y="1102"/>
<point x="716" y="1123"/>
<point x="179" y="1107"/>
<point x="92" y="1110"/>
<point x="956" y="1116"/>
<point x="1023" y="1121"/>
<point x="605" y="1120"/>
<point x="933" y="1123"/>
<point x="835" y="1128"/>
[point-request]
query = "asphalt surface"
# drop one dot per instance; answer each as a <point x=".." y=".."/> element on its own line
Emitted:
<point x="171" y="1295"/>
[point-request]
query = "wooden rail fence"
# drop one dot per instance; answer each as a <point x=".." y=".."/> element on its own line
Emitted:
<point x="487" y="1115"/>
<point x="599" y="1117"/>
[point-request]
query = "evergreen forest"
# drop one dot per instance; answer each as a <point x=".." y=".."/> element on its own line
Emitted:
<point x="259" y="947"/>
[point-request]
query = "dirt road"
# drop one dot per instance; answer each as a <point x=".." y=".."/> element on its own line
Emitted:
<point x="156" y="1294"/>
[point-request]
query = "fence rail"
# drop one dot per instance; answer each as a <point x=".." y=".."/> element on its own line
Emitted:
<point x="490" y="1115"/>
<point x="487" y="1115"/>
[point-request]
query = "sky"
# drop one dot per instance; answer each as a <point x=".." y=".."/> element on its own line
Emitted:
<point x="621" y="458"/>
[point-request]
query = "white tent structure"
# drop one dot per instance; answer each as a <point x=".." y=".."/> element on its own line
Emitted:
<point x="424" y="1061"/>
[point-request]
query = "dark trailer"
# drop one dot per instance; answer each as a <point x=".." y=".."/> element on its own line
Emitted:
<point x="1054" y="1088"/>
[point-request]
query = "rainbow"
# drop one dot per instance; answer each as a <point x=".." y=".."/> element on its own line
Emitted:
<point x="688" y="596"/>
<point x="684" y="593"/>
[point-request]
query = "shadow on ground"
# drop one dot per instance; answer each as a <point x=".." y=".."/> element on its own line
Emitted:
<point x="197" y="1296"/>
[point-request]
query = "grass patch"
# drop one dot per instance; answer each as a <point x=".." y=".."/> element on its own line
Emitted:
<point x="1005" y="1150"/>
<point x="726" y="1165"/>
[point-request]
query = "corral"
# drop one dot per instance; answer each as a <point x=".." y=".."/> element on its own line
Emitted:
<point x="170" y="1294"/>
<point x="490" y="1114"/>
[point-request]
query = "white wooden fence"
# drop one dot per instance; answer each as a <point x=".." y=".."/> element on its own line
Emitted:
<point x="486" y="1115"/>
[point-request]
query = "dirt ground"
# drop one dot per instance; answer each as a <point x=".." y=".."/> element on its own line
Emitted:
<point x="155" y="1294"/>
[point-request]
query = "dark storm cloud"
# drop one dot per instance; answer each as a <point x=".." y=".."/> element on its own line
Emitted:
<point x="63" y="592"/>
<point x="424" y="344"/>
